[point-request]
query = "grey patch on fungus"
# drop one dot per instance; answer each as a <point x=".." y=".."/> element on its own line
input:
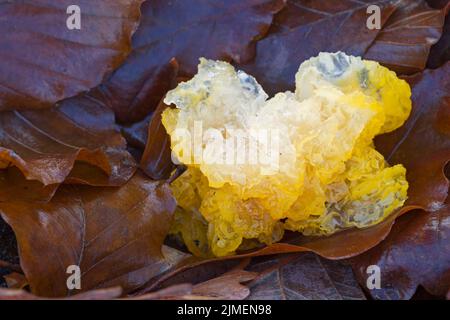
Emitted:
<point x="248" y="82"/>
<point x="339" y="65"/>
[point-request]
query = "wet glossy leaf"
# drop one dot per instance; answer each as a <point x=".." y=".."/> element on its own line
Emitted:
<point x="42" y="61"/>
<point x="422" y="144"/>
<point x="416" y="252"/>
<point x="156" y="160"/>
<point x="186" y="30"/>
<point x="113" y="234"/>
<point x="75" y="142"/>
<point x="303" y="277"/>
<point x="305" y="28"/>
<point x="404" y="42"/>
<point x="440" y="52"/>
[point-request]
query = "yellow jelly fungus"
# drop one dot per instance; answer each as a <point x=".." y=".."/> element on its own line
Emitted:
<point x="301" y="161"/>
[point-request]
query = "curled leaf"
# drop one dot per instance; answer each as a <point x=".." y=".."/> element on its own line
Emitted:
<point x="43" y="61"/>
<point x="156" y="160"/>
<point x="75" y="142"/>
<point x="113" y="235"/>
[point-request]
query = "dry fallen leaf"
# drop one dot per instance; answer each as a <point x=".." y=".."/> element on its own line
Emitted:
<point x="113" y="234"/>
<point x="43" y="61"/>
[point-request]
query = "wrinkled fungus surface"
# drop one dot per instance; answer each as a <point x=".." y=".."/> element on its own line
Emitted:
<point x="301" y="161"/>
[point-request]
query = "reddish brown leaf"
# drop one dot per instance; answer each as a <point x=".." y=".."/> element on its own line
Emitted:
<point x="178" y="292"/>
<point x="417" y="252"/>
<point x="42" y="61"/>
<point x="226" y="287"/>
<point x="75" y="142"/>
<point x="186" y="30"/>
<point x="404" y="43"/>
<point x="305" y="28"/>
<point x="156" y="161"/>
<point x="440" y="52"/>
<point x="113" y="235"/>
<point x="303" y="277"/>
<point x="135" y="89"/>
<point x="422" y="145"/>
<point x="100" y="294"/>
<point x="136" y="134"/>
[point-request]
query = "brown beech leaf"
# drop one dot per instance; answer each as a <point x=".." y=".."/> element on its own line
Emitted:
<point x="186" y="30"/>
<point x="303" y="29"/>
<point x="216" y="279"/>
<point x="99" y="294"/>
<point x="42" y="61"/>
<point x="75" y="142"/>
<point x="416" y="252"/>
<point x="303" y="277"/>
<point x="226" y="287"/>
<point x="422" y="144"/>
<point x="404" y="42"/>
<point x="156" y="160"/>
<point x="440" y="52"/>
<point x="342" y="245"/>
<point x="113" y="234"/>
<point x="136" y="133"/>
